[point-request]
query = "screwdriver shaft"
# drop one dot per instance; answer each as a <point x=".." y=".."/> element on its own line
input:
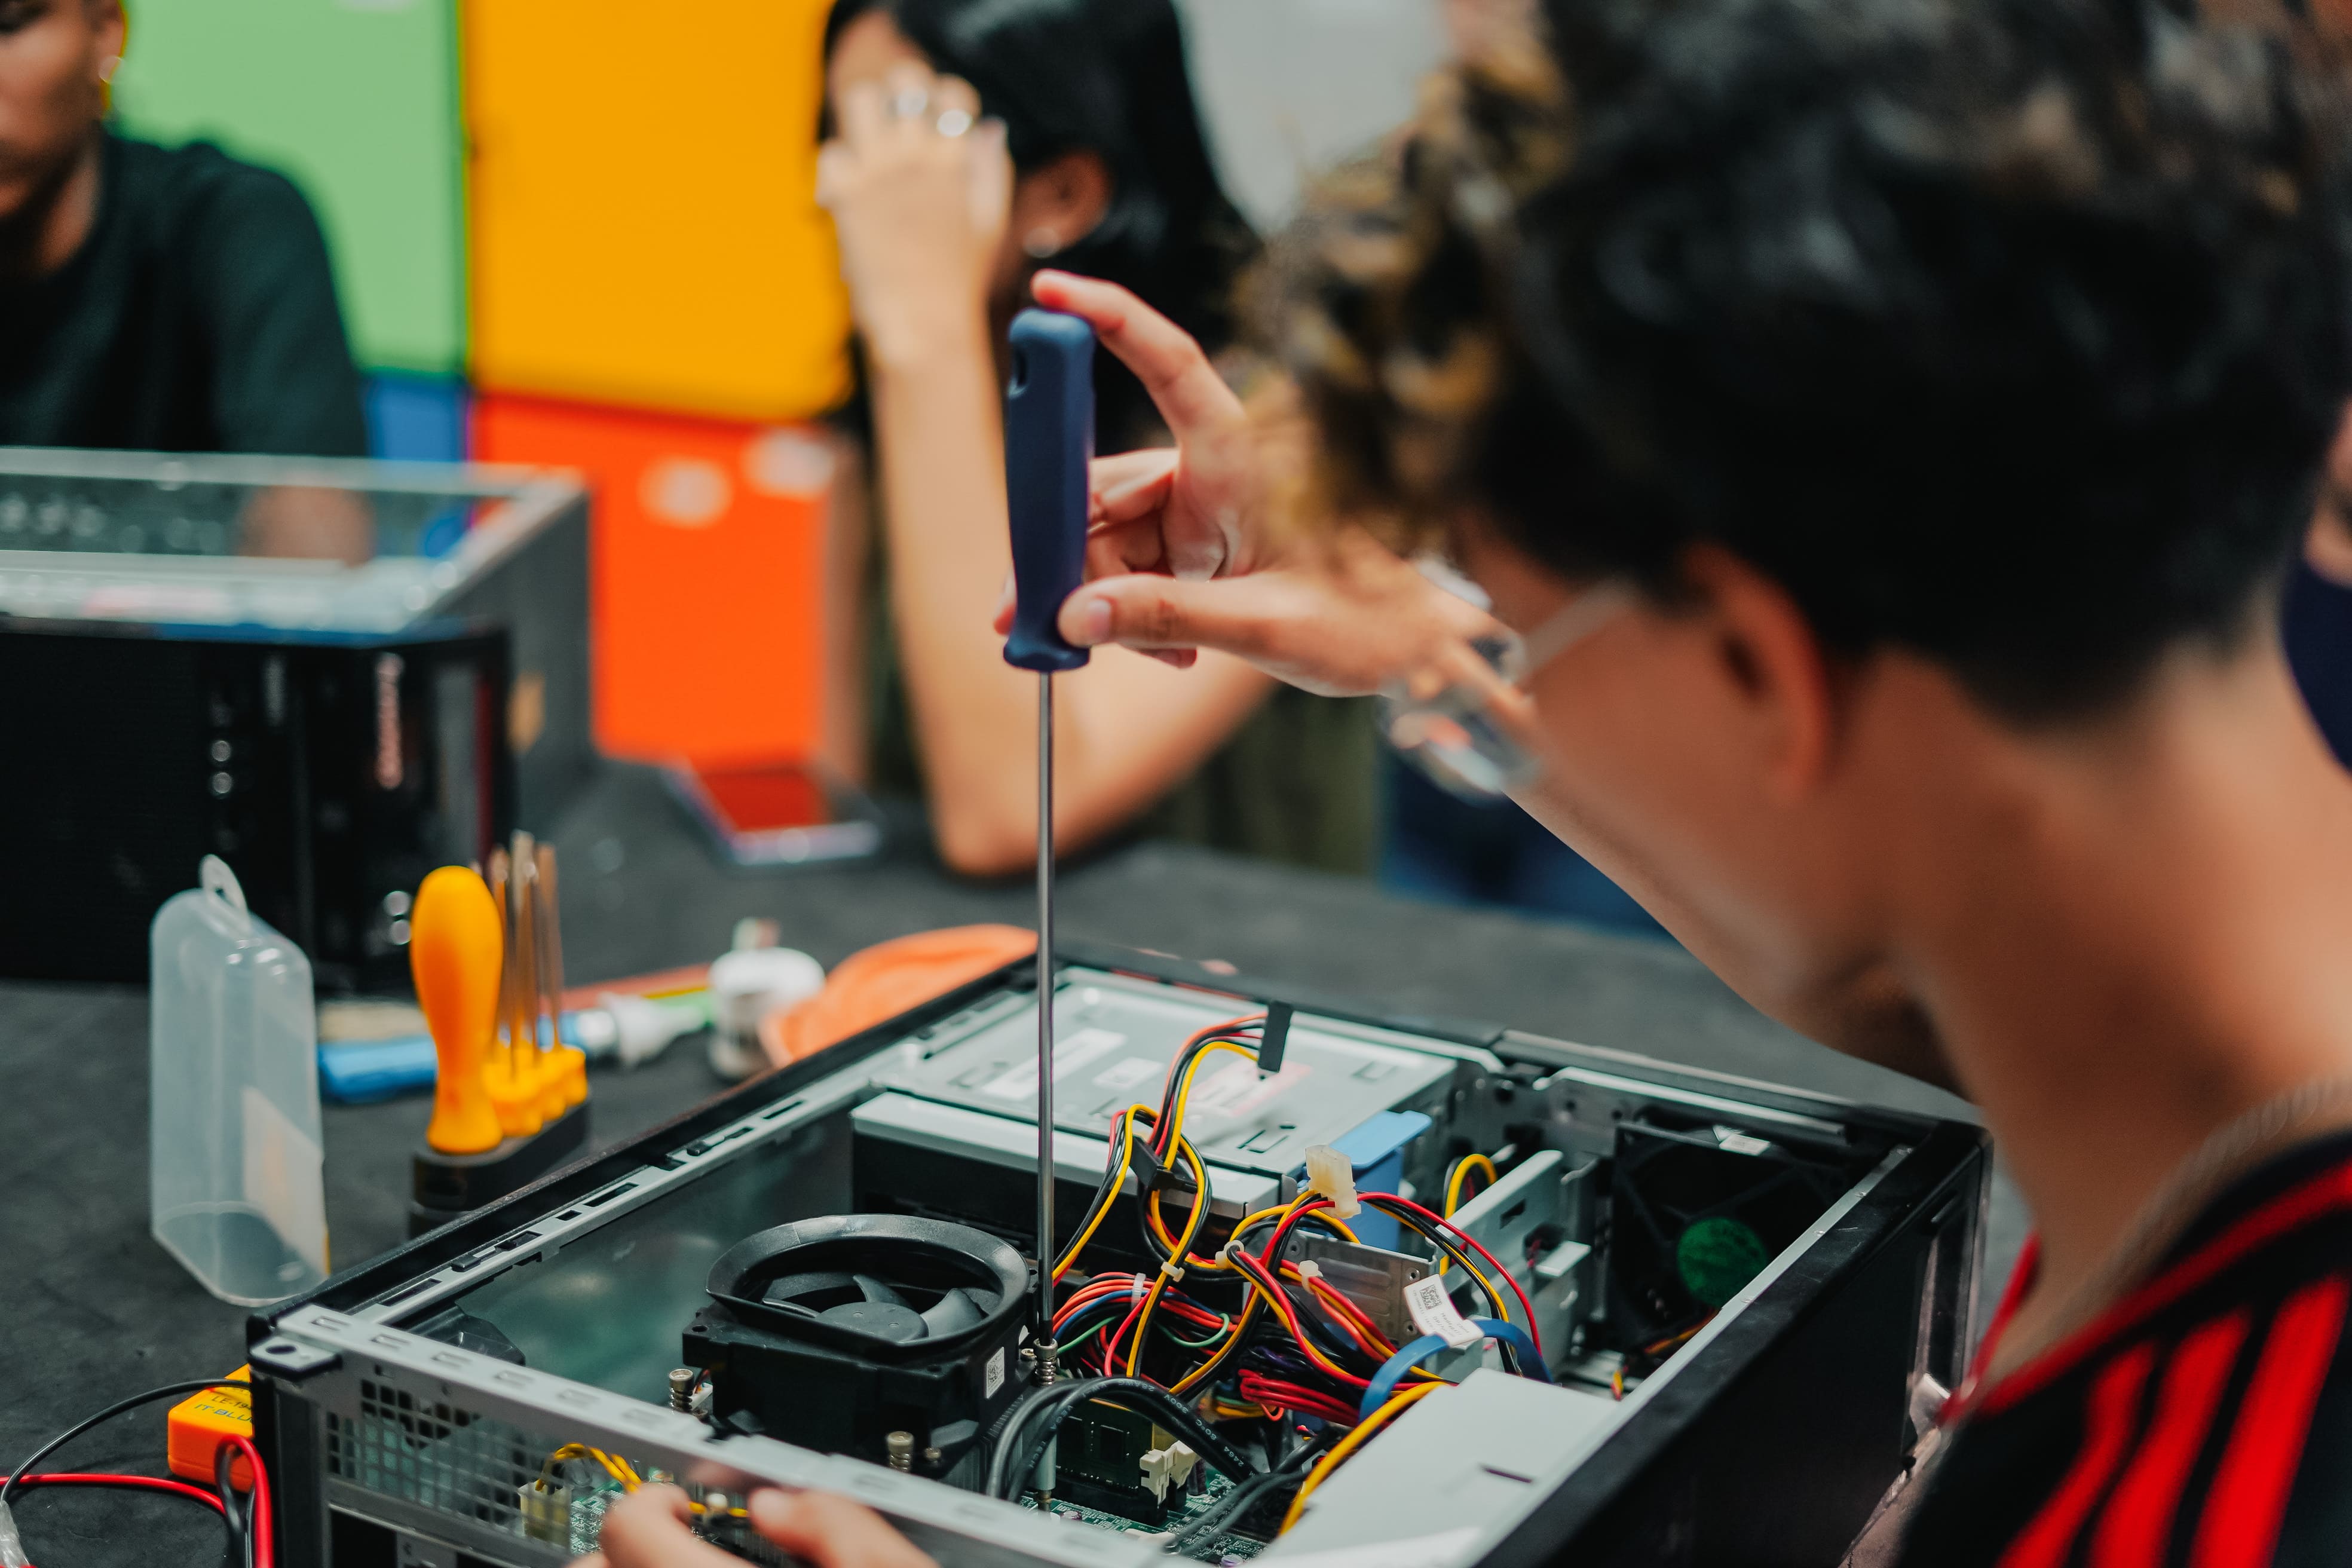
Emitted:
<point x="1044" y="1334"/>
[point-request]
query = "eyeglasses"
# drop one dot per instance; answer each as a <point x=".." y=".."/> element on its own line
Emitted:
<point x="1464" y="719"/>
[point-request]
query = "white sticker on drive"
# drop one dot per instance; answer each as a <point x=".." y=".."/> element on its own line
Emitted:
<point x="1071" y="1052"/>
<point x="991" y="1377"/>
<point x="1433" y="1313"/>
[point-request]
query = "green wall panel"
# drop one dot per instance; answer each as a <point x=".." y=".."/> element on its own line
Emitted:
<point x="357" y="102"/>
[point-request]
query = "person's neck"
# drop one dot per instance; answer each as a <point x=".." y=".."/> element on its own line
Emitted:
<point x="44" y="234"/>
<point x="2130" y="936"/>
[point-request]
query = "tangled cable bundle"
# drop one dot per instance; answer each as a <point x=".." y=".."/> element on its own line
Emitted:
<point x="1234" y="1332"/>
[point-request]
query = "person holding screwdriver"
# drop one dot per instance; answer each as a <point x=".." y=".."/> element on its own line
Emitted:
<point x="1880" y="426"/>
<point x="973" y="141"/>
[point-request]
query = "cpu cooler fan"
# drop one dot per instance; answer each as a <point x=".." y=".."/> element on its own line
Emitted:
<point x="833" y="1333"/>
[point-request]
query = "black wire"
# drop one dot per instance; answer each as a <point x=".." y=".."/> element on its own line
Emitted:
<point x="1107" y="1192"/>
<point x="1009" y="1430"/>
<point x="1126" y="1392"/>
<point x="1146" y="1195"/>
<point x="130" y="1483"/>
<point x="1130" y="1393"/>
<point x="1236" y="1503"/>
<point x="1166" y="1409"/>
<point x="1239" y="1035"/>
<point x="237" y="1510"/>
<point x="1452" y="1249"/>
<point x="8" y="1486"/>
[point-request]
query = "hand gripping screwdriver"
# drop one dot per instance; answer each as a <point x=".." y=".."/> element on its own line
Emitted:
<point x="1049" y="438"/>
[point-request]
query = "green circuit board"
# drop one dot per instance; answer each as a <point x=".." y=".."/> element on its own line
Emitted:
<point x="1211" y="1547"/>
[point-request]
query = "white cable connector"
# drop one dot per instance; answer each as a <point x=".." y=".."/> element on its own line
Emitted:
<point x="1329" y="1173"/>
<point x="1167" y="1468"/>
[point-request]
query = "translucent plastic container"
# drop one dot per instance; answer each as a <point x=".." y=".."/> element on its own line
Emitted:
<point x="237" y="1176"/>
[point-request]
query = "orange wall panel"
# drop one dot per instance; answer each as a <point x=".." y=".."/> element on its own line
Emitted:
<point x="641" y="191"/>
<point x="707" y="556"/>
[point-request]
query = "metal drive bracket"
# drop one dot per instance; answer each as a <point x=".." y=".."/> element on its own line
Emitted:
<point x="1537" y="1221"/>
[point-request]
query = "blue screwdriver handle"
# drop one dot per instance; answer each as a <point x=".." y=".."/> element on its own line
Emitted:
<point x="1049" y="438"/>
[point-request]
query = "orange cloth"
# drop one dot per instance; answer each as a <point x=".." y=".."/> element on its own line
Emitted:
<point x="883" y="981"/>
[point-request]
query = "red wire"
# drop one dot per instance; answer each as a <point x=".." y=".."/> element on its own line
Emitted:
<point x="1287" y="1309"/>
<point x="1282" y="1232"/>
<point x="1460" y="1235"/>
<point x="1110" y="1342"/>
<point x="1352" y="1321"/>
<point x="1168" y="1080"/>
<point x="147" y="1483"/>
<point x="1269" y="1391"/>
<point x="132" y="1483"/>
<point x="263" y="1521"/>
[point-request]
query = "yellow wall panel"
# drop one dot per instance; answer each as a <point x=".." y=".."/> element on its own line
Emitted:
<point x="642" y="195"/>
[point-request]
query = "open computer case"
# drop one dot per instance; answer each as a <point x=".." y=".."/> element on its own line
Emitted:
<point x="1751" y="1297"/>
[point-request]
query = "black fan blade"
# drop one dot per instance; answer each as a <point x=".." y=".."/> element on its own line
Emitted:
<point x="874" y="1290"/>
<point x="792" y="1289"/>
<point x="957" y="1310"/>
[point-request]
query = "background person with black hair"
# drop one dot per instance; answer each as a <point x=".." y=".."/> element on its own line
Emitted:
<point x="161" y="300"/>
<point x="1062" y="129"/>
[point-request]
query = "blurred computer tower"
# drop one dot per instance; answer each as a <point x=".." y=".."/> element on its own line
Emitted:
<point x="331" y="731"/>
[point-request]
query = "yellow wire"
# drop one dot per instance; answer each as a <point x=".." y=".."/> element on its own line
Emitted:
<point x="614" y="1466"/>
<point x="1126" y="1158"/>
<point x="1181" y="1250"/>
<point x="1191" y="1379"/>
<point x="1192" y="1071"/>
<point x="1314" y="1353"/>
<point x="1462" y="1168"/>
<point x="1190" y="1156"/>
<point x="1495" y="1298"/>
<point x="1354" y="1440"/>
<point x="1323" y="1216"/>
<point x="547" y="1470"/>
<point x="1219" y="1263"/>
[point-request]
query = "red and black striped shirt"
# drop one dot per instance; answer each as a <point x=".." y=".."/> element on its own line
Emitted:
<point x="2205" y="1421"/>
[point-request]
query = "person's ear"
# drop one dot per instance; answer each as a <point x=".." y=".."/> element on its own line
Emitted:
<point x="1060" y="202"/>
<point x="1784" y="679"/>
<point x="109" y="32"/>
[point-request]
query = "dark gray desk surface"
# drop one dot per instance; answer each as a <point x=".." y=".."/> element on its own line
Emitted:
<point x="97" y="1311"/>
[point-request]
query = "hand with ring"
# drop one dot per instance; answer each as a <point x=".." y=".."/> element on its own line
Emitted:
<point x="919" y="188"/>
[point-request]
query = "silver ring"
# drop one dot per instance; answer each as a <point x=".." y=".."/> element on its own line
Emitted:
<point x="953" y="121"/>
<point x="910" y="103"/>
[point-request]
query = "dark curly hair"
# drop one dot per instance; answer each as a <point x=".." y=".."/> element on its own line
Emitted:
<point x="2009" y="332"/>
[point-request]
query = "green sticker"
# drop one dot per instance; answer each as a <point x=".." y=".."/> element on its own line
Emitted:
<point x="1716" y="1257"/>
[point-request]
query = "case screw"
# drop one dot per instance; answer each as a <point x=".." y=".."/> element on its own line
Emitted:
<point x="681" y="1387"/>
<point x="901" y="1445"/>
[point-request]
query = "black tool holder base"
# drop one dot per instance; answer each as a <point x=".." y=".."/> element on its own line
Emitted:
<point x="446" y="1186"/>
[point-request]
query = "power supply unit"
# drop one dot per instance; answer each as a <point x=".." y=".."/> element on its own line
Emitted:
<point x="1721" y="1310"/>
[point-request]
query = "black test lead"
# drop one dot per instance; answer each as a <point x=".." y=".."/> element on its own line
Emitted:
<point x="1049" y="438"/>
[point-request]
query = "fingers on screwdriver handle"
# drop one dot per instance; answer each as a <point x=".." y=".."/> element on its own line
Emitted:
<point x="1049" y="438"/>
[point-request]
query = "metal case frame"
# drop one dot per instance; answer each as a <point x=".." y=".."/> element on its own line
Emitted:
<point x="1783" y="1426"/>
